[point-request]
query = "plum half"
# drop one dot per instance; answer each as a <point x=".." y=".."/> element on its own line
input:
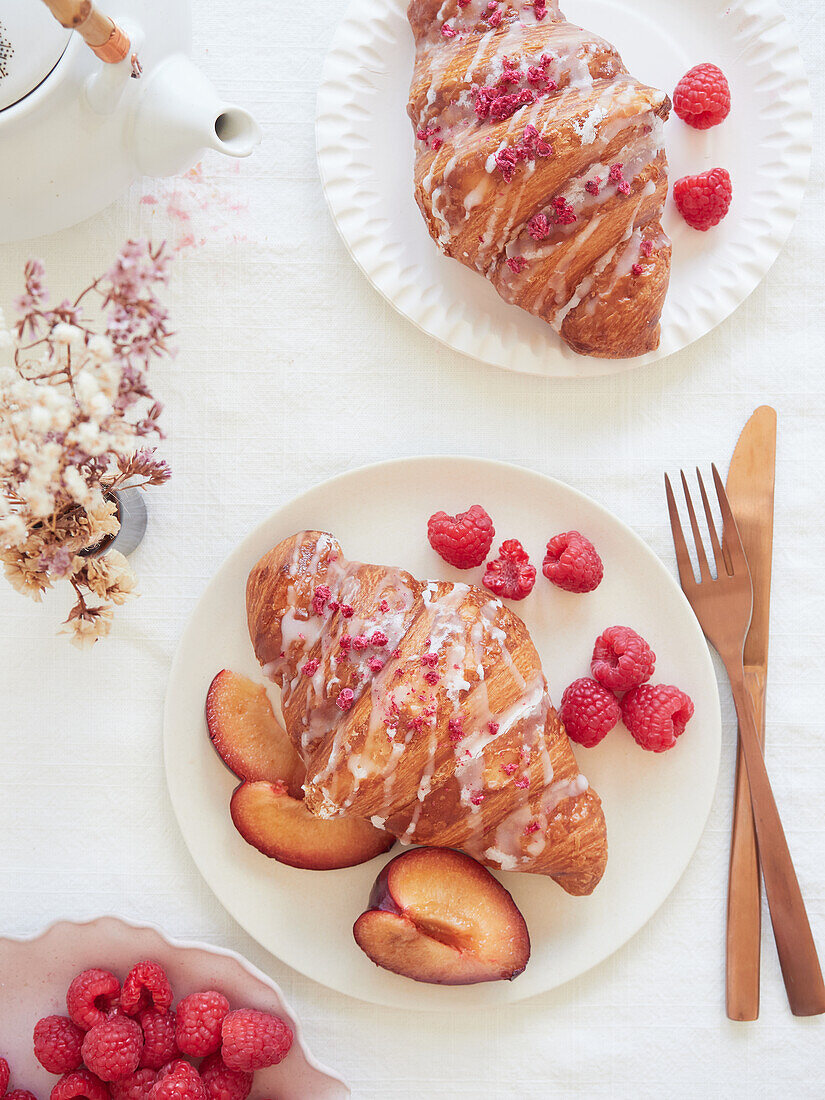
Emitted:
<point x="436" y="915"/>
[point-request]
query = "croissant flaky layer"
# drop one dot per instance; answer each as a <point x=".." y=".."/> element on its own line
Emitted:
<point x="423" y="707"/>
<point x="540" y="163"/>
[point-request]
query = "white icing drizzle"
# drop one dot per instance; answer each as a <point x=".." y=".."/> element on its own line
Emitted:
<point x="465" y="641"/>
<point x="473" y="214"/>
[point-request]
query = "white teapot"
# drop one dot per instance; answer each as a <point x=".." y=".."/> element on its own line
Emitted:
<point x="76" y="131"/>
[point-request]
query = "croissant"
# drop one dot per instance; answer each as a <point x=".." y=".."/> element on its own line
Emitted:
<point x="540" y="163"/>
<point x="423" y="707"/>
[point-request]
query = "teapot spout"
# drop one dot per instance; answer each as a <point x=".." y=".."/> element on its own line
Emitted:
<point x="180" y="114"/>
<point x="236" y="132"/>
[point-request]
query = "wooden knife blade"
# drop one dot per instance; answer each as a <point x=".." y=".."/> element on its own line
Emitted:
<point x="750" y="489"/>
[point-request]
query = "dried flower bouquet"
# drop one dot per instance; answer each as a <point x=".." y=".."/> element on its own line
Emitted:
<point x="77" y="418"/>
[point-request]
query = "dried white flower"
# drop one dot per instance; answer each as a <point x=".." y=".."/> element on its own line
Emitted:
<point x="12" y="531"/>
<point x="100" y="348"/>
<point x="89" y="438"/>
<point x="102" y="516"/>
<point x="24" y="575"/>
<point x="87" y="629"/>
<point x="68" y="335"/>
<point x="40" y="503"/>
<point x="110" y="576"/>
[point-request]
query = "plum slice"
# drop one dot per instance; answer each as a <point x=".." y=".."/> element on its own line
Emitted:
<point x="280" y="826"/>
<point x="436" y="915"/>
<point x="246" y="734"/>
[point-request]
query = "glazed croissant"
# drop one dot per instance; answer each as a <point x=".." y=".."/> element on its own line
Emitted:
<point x="540" y="163"/>
<point x="424" y="708"/>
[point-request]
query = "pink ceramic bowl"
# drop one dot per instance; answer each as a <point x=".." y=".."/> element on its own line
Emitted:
<point x="35" y="973"/>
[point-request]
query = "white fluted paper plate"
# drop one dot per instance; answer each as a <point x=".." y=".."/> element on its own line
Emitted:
<point x="656" y="805"/>
<point x="35" y="972"/>
<point x="365" y="153"/>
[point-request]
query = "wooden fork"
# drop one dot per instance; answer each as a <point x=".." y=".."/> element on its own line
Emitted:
<point x="723" y="606"/>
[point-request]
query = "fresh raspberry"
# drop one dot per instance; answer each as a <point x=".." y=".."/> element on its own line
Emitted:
<point x="572" y="563"/>
<point x="170" y="1067"/>
<point x="223" y="1083"/>
<point x="57" y="1043"/>
<point x="702" y="97"/>
<point x="510" y="575"/>
<point x="4" y="1075"/>
<point x="80" y="1085"/>
<point x="703" y="200"/>
<point x="136" y="1086"/>
<point x="91" y="997"/>
<point x="463" y="540"/>
<point x="19" y="1094"/>
<point x="656" y="714"/>
<point x="180" y="1081"/>
<point x="159" y="1046"/>
<point x="146" y="986"/>
<point x="200" y="1015"/>
<point x="622" y="659"/>
<point x="111" y="1050"/>
<point x="589" y="712"/>
<point x="253" y="1040"/>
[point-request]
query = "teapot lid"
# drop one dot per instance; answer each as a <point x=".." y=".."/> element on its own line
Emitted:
<point x="31" y="44"/>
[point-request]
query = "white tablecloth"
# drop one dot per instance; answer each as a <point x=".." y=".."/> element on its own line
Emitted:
<point x="292" y="369"/>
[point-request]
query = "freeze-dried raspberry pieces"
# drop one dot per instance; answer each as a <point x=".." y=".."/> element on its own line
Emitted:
<point x="179" y="1081"/>
<point x="253" y="1040"/>
<point x="223" y="1083"/>
<point x="573" y="563"/>
<point x="346" y="697"/>
<point x="463" y="540"/>
<point x="159" y="1046"/>
<point x="111" y="1049"/>
<point x="656" y="715"/>
<point x="622" y="659"/>
<point x="146" y="986"/>
<point x="57" y="1043"/>
<point x="200" y="1015"/>
<point x="91" y="997"/>
<point x="80" y="1085"/>
<point x="588" y="711"/>
<point x="510" y="575"/>
<point x="136" y="1086"/>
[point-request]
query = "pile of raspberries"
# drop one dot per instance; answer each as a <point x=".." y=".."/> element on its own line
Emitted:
<point x="618" y="688"/>
<point x="127" y="1043"/>
<point x="571" y="561"/>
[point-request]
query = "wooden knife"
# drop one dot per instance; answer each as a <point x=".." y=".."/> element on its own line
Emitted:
<point x="750" y="488"/>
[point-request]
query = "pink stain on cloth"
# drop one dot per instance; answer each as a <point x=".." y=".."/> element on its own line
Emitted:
<point x="196" y="210"/>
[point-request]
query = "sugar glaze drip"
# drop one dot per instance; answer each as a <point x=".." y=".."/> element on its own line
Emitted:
<point x="421" y="699"/>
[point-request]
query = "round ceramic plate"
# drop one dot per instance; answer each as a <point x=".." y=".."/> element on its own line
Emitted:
<point x="656" y="805"/>
<point x="365" y="152"/>
<point x="35" y="973"/>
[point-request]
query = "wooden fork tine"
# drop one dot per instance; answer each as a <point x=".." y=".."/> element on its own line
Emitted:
<point x="718" y="555"/>
<point x="704" y="571"/>
<point x="738" y="561"/>
<point x="683" y="561"/>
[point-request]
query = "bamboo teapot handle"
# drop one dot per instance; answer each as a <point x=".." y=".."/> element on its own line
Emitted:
<point x="99" y="31"/>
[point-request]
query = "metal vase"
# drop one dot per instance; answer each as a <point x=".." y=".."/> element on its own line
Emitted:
<point x="131" y="512"/>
